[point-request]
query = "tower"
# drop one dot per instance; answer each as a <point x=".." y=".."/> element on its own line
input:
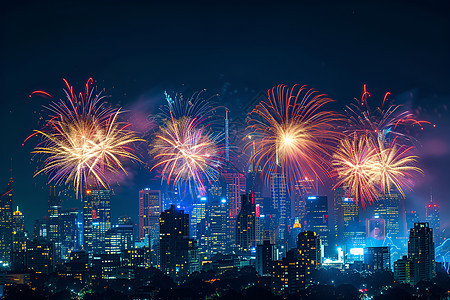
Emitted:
<point x="54" y="221"/>
<point x="6" y="224"/>
<point x="149" y="211"/>
<point x="178" y="253"/>
<point x="432" y="217"/>
<point x="247" y="225"/>
<point x="421" y="251"/>
<point x="316" y="218"/>
<point x="278" y="192"/>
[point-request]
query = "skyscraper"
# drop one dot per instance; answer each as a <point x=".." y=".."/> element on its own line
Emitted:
<point x="118" y="238"/>
<point x="6" y="224"/>
<point x="177" y="251"/>
<point x="149" y="211"/>
<point x="388" y="208"/>
<point x="432" y="217"/>
<point x="316" y="218"/>
<point x="421" y="251"/>
<point x="19" y="241"/>
<point x="309" y="247"/>
<point x="235" y="183"/>
<point x="217" y="222"/>
<point x="198" y="215"/>
<point x="247" y="225"/>
<point x="54" y="233"/>
<point x="265" y="256"/>
<point x="280" y="204"/>
<point x="69" y="232"/>
<point x="96" y="219"/>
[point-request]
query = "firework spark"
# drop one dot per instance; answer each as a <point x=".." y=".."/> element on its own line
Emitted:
<point x="187" y="152"/>
<point x="83" y="138"/>
<point x="289" y="131"/>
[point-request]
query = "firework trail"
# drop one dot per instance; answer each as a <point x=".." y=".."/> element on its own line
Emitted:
<point x="83" y="139"/>
<point x="290" y="133"/>
<point x="187" y="152"/>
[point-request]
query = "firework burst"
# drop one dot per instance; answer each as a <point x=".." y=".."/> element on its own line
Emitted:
<point x="381" y="122"/>
<point x="290" y="133"/>
<point x="84" y="139"/>
<point x="370" y="169"/>
<point x="187" y="153"/>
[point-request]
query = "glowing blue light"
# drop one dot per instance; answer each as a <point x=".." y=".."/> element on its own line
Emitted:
<point x="312" y="198"/>
<point x="253" y="249"/>
<point x="202" y="198"/>
<point x="223" y="200"/>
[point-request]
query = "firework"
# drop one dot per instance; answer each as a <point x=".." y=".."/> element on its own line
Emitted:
<point x="394" y="167"/>
<point x="84" y="139"/>
<point x="380" y="122"/>
<point x="371" y="169"/>
<point x="187" y="152"/>
<point x="290" y="133"/>
<point x="354" y="163"/>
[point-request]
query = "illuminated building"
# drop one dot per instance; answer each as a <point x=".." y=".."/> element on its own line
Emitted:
<point x="432" y="217"/>
<point x="6" y="224"/>
<point x="87" y="223"/>
<point x="178" y="253"/>
<point x="346" y="216"/>
<point x="404" y="271"/>
<point x="54" y="233"/>
<point x="377" y="258"/>
<point x="235" y="183"/>
<point x="279" y="196"/>
<point x="265" y="256"/>
<point x="198" y="215"/>
<point x="101" y="217"/>
<point x="118" y="238"/>
<point x="421" y="251"/>
<point x="288" y="275"/>
<point x="69" y="231"/>
<point x="105" y="264"/>
<point x="309" y="248"/>
<point x="247" y="225"/>
<point x="149" y="210"/>
<point x="217" y="222"/>
<point x="388" y="208"/>
<point x="39" y="256"/>
<point x="19" y="241"/>
<point x="303" y="189"/>
<point x="316" y="218"/>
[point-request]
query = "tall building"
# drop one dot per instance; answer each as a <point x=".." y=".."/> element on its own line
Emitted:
<point x="388" y="208"/>
<point x="288" y="276"/>
<point x="69" y="232"/>
<point x="178" y="253"/>
<point x="101" y="218"/>
<point x="149" y="211"/>
<point x="412" y="217"/>
<point x="235" y="183"/>
<point x="247" y="225"/>
<point x="309" y="248"/>
<point x="346" y="214"/>
<point x="280" y="204"/>
<point x="265" y="256"/>
<point x="316" y="218"/>
<point x="54" y="233"/>
<point x="6" y="224"/>
<point x="377" y="258"/>
<point x="432" y="217"/>
<point x="421" y="251"/>
<point x="375" y="228"/>
<point x="19" y="241"/>
<point x="303" y="189"/>
<point x="198" y="215"/>
<point x="217" y="222"/>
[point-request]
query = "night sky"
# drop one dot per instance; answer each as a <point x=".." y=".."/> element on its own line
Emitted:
<point x="136" y="51"/>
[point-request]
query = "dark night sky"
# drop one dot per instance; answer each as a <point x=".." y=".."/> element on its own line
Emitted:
<point x="137" y="50"/>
